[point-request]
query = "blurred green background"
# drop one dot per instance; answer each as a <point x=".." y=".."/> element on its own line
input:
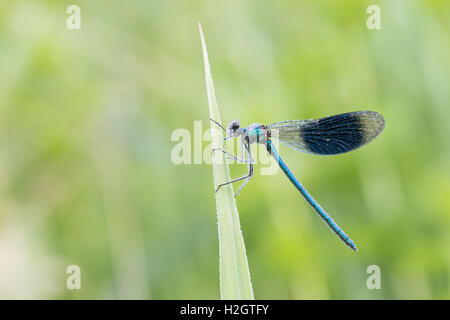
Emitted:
<point x="86" y="118"/>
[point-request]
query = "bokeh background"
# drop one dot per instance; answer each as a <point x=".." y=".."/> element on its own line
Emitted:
<point x="86" y="176"/>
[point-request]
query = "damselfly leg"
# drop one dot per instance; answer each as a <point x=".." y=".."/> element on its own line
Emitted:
<point x="230" y="156"/>
<point x="246" y="177"/>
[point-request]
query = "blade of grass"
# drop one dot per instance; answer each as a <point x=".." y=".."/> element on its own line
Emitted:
<point x="235" y="280"/>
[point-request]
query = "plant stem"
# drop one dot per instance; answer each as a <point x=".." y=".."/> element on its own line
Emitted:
<point x="235" y="280"/>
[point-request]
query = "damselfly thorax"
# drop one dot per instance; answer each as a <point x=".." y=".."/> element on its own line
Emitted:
<point x="255" y="133"/>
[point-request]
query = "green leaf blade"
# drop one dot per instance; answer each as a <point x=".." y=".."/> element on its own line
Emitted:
<point x="235" y="282"/>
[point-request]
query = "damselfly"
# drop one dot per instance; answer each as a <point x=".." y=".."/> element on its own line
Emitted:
<point x="326" y="136"/>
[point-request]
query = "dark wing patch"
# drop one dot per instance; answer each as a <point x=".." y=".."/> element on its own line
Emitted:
<point x="330" y="135"/>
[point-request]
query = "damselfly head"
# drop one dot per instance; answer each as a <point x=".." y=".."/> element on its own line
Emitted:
<point x="233" y="128"/>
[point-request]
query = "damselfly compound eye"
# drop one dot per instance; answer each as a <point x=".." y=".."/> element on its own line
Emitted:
<point x="233" y="127"/>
